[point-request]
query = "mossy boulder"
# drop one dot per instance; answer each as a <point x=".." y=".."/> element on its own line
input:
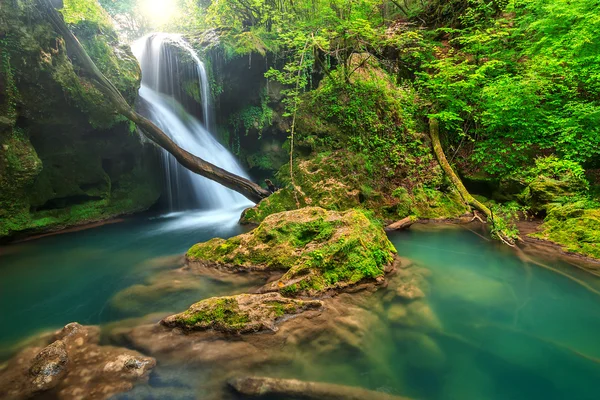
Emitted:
<point x="341" y="180"/>
<point x="574" y="226"/>
<point x="318" y="250"/>
<point x="551" y="181"/>
<point x="244" y="313"/>
<point x="544" y="190"/>
<point x="356" y="143"/>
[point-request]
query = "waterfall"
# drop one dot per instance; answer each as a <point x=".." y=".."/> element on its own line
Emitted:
<point x="162" y="100"/>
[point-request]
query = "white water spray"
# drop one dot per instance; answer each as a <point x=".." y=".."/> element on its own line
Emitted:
<point x="159" y="56"/>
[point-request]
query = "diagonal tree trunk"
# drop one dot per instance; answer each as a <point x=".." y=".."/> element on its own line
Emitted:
<point x="434" y="134"/>
<point x="195" y="164"/>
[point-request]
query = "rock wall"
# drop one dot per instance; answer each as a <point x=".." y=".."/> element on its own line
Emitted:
<point x="65" y="157"/>
<point x="248" y="107"/>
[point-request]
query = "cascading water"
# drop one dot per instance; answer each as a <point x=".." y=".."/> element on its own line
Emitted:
<point x="162" y="96"/>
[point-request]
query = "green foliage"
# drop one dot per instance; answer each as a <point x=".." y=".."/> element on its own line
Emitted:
<point x="11" y="93"/>
<point x="558" y="169"/>
<point x="506" y="217"/>
<point x="370" y="115"/>
<point x="460" y="13"/>
<point x="551" y="181"/>
<point x="87" y="12"/>
<point x="253" y="117"/>
<point x="519" y="84"/>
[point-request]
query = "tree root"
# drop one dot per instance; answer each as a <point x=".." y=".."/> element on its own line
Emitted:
<point x="476" y="217"/>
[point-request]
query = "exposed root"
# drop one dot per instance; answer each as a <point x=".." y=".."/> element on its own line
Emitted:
<point x="589" y="271"/>
<point x="477" y="233"/>
<point x="476" y="217"/>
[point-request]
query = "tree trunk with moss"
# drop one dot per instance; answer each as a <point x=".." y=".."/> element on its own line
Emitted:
<point x="434" y="133"/>
<point x="195" y="164"/>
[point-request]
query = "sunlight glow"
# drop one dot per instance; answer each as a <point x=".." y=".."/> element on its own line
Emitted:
<point x="159" y="11"/>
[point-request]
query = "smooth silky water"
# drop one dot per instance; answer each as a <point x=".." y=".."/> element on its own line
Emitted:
<point x="49" y="282"/>
<point x="508" y="329"/>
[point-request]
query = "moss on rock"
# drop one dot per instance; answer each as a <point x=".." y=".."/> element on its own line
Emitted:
<point x="551" y="181"/>
<point x="243" y="313"/>
<point x="66" y="157"/>
<point x="358" y="144"/>
<point x="318" y="250"/>
<point x="342" y="180"/>
<point x="574" y="226"/>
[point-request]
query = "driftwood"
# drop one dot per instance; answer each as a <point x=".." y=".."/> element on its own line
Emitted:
<point x="434" y="133"/>
<point x="195" y="164"/>
<point x="257" y="387"/>
<point x="402" y="224"/>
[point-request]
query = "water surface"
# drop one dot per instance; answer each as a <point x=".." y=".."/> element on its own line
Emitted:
<point x="496" y="326"/>
<point x="49" y="282"/>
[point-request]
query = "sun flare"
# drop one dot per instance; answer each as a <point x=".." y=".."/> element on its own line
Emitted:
<point x="159" y="11"/>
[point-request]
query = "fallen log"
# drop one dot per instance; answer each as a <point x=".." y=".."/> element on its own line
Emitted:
<point x="258" y="387"/>
<point x="247" y="188"/>
<point x="404" y="223"/>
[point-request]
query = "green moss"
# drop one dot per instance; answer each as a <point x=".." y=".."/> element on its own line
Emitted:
<point x="283" y="200"/>
<point x="370" y="116"/>
<point x="19" y="166"/>
<point x="280" y="309"/>
<point x="318" y="249"/>
<point x="93" y="28"/>
<point x="243" y="313"/>
<point x="341" y="180"/>
<point x="433" y="204"/>
<point x="253" y="117"/>
<point x="223" y="312"/>
<point x="574" y="226"/>
<point x="79" y="171"/>
<point x="551" y="181"/>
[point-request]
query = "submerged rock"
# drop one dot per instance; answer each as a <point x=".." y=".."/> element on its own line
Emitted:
<point x="416" y="315"/>
<point x="317" y="249"/>
<point x="409" y="291"/>
<point x="240" y="314"/>
<point x="73" y="366"/>
<point x="49" y="367"/>
<point x="262" y="387"/>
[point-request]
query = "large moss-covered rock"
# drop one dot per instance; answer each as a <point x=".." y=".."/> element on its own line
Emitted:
<point x="551" y="181"/>
<point x="358" y="144"/>
<point x="243" y="313"/>
<point x="341" y="180"/>
<point x="558" y="190"/>
<point x="66" y="157"/>
<point x="574" y="226"/>
<point x="317" y="250"/>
